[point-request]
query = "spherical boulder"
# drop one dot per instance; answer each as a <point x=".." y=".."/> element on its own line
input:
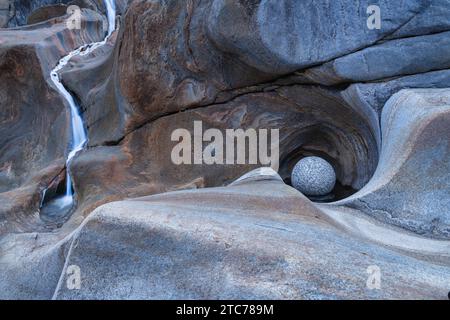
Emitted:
<point x="313" y="176"/>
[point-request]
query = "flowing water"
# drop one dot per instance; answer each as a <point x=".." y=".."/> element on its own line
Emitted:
<point x="78" y="136"/>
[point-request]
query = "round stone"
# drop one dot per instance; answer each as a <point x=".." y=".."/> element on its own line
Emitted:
<point x="313" y="176"/>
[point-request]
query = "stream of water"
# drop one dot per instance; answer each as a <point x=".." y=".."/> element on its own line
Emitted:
<point x="79" y="135"/>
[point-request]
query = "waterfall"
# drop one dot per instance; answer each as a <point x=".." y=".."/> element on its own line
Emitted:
<point x="79" y="136"/>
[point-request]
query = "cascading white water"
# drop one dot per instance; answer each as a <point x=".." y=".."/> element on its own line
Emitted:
<point x="79" y="136"/>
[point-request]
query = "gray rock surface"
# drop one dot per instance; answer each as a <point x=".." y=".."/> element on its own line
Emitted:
<point x="434" y="18"/>
<point x="313" y="176"/>
<point x="270" y="242"/>
<point x="290" y="35"/>
<point x="389" y="59"/>
<point x="374" y="95"/>
<point x="411" y="186"/>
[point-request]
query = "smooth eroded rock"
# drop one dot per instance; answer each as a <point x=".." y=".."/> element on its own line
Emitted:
<point x="411" y="186"/>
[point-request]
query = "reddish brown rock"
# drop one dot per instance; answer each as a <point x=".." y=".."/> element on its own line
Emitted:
<point x="311" y="120"/>
<point x="34" y="131"/>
